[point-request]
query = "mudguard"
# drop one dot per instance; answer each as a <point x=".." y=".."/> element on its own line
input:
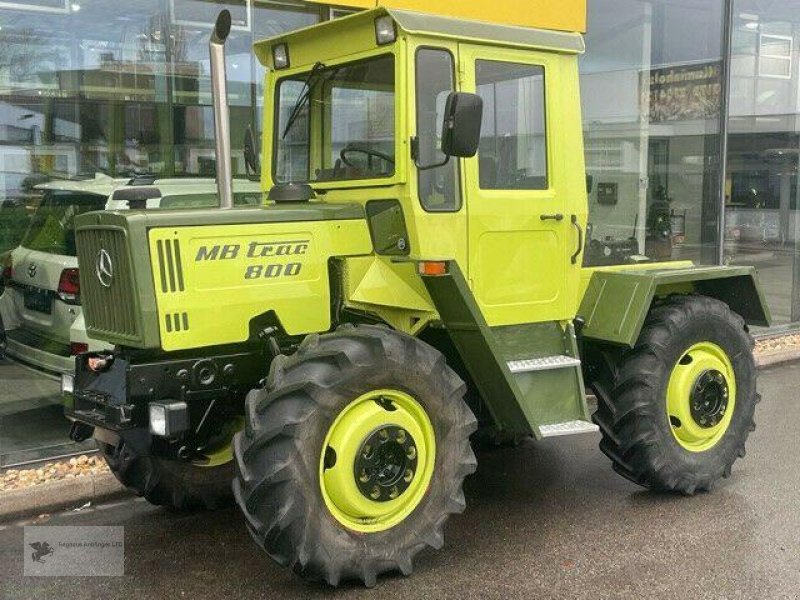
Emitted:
<point x="616" y="302"/>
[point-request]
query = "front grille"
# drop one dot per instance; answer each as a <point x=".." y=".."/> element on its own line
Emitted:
<point x="108" y="310"/>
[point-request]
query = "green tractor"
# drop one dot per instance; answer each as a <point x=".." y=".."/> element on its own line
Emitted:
<point x="414" y="274"/>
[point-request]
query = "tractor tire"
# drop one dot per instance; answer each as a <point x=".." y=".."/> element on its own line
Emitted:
<point x="304" y="481"/>
<point x="676" y="410"/>
<point x="172" y="483"/>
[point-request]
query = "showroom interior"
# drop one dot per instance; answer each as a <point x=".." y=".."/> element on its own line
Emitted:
<point x="691" y="114"/>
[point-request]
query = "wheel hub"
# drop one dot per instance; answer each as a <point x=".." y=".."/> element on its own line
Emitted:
<point x="386" y="463"/>
<point x="709" y="399"/>
<point x="377" y="460"/>
<point x="701" y="397"/>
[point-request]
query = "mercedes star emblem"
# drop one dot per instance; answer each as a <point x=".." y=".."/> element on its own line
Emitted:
<point x="104" y="268"/>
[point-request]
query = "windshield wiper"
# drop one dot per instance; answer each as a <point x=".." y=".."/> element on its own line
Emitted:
<point x="305" y="95"/>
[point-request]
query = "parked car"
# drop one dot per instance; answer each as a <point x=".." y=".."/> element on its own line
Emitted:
<point x="40" y="307"/>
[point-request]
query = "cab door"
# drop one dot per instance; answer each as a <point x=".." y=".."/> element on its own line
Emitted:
<point x="523" y="265"/>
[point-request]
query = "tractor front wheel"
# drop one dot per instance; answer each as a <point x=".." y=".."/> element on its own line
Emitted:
<point x="201" y="483"/>
<point x="676" y="410"/>
<point x="354" y="454"/>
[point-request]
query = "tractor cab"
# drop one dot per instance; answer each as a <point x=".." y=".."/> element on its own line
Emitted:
<point x="453" y="134"/>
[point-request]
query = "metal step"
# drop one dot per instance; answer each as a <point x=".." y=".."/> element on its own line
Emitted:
<point x="568" y="428"/>
<point x="544" y="363"/>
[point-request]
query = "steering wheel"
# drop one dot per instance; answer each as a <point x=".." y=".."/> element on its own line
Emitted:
<point x="364" y="150"/>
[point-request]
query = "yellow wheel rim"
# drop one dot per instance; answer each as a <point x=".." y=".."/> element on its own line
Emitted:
<point x="220" y="451"/>
<point x="377" y="461"/>
<point x="701" y="397"/>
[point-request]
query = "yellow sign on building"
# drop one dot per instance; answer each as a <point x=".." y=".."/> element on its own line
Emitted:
<point x="564" y="15"/>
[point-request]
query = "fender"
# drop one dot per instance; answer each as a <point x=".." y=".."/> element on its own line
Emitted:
<point x="616" y="301"/>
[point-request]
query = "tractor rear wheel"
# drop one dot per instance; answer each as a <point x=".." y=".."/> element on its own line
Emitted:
<point x="676" y="410"/>
<point x="354" y="454"/>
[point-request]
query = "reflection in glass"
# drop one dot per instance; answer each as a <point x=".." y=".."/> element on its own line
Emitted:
<point x="353" y="107"/>
<point x="651" y="83"/>
<point x="761" y="219"/>
<point x="439" y="187"/>
<point x="513" y="148"/>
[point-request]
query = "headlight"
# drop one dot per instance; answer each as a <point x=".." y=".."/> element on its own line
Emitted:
<point x="385" y="33"/>
<point x="67" y="384"/>
<point x="168" y="419"/>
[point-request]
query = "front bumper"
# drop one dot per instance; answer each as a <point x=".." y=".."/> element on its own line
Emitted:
<point x="116" y="399"/>
<point x="36" y="351"/>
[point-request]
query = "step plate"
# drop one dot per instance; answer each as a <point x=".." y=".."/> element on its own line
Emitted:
<point x="568" y="428"/>
<point x="545" y="363"/>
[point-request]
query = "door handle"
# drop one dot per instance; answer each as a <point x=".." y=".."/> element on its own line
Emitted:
<point x="556" y="217"/>
<point x="580" y="239"/>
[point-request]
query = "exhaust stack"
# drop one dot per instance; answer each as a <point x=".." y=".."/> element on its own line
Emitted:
<point x="219" y="91"/>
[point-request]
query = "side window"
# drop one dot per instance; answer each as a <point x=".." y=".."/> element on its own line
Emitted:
<point x="438" y="188"/>
<point x="513" y="148"/>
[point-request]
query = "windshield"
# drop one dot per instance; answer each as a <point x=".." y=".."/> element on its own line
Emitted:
<point x="336" y="123"/>
<point x="51" y="228"/>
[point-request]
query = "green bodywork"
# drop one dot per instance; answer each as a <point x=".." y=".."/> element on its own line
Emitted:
<point x="616" y="302"/>
<point x="135" y="296"/>
<point x="519" y="403"/>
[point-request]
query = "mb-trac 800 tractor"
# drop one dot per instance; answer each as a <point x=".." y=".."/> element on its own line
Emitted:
<point x="414" y="274"/>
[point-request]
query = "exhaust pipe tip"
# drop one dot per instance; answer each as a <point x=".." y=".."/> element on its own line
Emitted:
<point x="222" y="28"/>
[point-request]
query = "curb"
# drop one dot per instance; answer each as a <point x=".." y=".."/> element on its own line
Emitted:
<point x="772" y="359"/>
<point x="61" y="494"/>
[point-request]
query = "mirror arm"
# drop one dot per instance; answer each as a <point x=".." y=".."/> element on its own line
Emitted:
<point x="434" y="166"/>
<point x="415" y="156"/>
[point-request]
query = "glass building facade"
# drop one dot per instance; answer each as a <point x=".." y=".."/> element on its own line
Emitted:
<point x="691" y="115"/>
<point x="690" y="112"/>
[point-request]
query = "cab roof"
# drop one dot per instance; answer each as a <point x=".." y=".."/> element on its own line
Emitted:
<point x="430" y="25"/>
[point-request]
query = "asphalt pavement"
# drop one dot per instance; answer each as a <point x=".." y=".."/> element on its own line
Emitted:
<point x="547" y="520"/>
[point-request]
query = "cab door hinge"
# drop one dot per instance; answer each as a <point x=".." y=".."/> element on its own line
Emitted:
<point x="461" y="74"/>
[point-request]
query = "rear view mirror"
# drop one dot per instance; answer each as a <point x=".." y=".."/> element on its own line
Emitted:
<point x="461" y="130"/>
<point x="251" y="158"/>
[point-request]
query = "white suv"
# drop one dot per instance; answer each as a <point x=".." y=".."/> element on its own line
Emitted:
<point x="40" y="306"/>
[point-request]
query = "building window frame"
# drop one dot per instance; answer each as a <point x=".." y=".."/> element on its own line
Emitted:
<point x="764" y="40"/>
<point x="26" y="6"/>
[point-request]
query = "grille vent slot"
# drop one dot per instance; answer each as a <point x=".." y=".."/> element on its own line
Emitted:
<point x="176" y="322"/>
<point x="170" y="268"/>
